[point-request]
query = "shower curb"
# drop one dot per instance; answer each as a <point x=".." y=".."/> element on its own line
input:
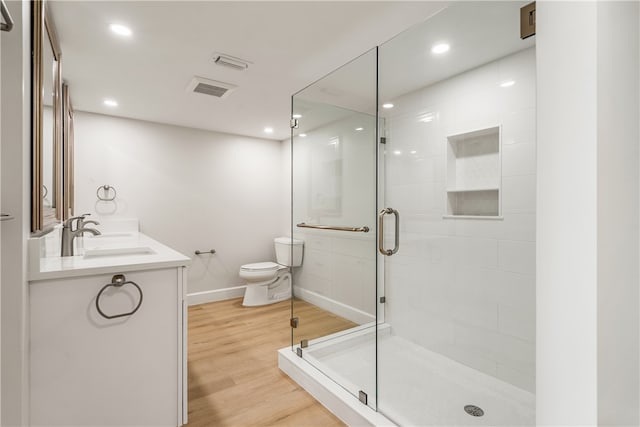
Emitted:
<point x="333" y="397"/>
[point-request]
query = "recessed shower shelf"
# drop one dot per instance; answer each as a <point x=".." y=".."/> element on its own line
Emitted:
<point x="474" y="174"/>
<point x="471" y="190"/>
<point x="497" y="218"/>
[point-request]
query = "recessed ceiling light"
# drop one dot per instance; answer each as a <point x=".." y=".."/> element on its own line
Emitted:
<point x="413" y="151"/>
<point x="359" y="129"/>
<point x="507" y="83"/>
<point x="397" y="152"/>
<point x="440" y="48"/>
<point x="110" y="103"/>
<point x="120" y="30"/>
<point x="268" y="130"/>
<point x="303" y="135"/>
<point x="296" y="116"/>
<point x="387" y="105"/>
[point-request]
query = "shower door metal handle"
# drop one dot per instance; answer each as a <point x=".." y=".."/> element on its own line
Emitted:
<point x="383" y="212"/>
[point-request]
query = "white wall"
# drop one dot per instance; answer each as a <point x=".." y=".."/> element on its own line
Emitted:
<point x="465" y="288"/>
<point x="191" y="189"/>
<point x="618" y="278"/>
<point x="16" y="190"/>
<point x="587" y="291"/>
<point x="285" y="147"/>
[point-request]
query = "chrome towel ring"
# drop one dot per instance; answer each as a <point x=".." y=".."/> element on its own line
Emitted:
<point x="105" y="190"/>
<point x="118" y="281"/>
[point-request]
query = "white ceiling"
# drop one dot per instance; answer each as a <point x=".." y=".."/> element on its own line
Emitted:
<point x="290" y="45"/>
<point x="478" y="33"/>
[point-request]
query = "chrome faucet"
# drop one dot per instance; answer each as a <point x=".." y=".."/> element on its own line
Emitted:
<point x="81" y="222"/>
<point x="69" y="234"/>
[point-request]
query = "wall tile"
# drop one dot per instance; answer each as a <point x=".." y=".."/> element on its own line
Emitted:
<point x="518" y="322"/>
<point x="518" y="126"/>
<point x="317" y="263"/>
<point x="524" y="379"/>
<point x="516" y="290"/>
<point x="517" y="257"/>
<point x="518" y="159"/>
<point x="519" y="194"/>
<point x="476" y="252"/>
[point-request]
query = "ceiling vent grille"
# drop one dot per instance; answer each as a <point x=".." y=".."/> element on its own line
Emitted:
<point x="210" y="87"/>
<point x="230" y="61"/>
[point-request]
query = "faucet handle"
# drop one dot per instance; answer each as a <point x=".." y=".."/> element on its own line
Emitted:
<point x="69" y="222"/>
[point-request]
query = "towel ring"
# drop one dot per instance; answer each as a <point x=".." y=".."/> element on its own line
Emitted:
<point x="105" y="197"/>
<point x="118" y="281"/>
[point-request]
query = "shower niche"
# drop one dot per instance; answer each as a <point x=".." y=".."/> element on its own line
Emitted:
<point x="474" y="174"/>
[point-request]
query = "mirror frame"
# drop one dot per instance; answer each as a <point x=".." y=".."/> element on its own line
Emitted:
<point x="67" y="154"/>
<point x="44" y="219"/>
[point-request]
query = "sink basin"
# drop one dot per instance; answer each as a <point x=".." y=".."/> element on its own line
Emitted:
<point x="105" y="252"/>
<point x="120" y="235"/>
<point x="119" y="239"/>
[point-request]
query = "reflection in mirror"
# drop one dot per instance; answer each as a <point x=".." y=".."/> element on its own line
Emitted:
<point x="47" y="123"/>
<point x="48" y="132"/>
<point x="67" y="153"/>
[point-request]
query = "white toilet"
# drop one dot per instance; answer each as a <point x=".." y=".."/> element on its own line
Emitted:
<point x="265" y="280"/>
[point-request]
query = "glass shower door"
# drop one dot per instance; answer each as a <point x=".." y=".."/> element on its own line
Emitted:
<point x="457" y="98"/>
<point x="333" y="212"/>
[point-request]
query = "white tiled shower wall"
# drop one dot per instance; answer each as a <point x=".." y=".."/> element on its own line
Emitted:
<point x="339" y="267"/>
<point x="466" y="287"/>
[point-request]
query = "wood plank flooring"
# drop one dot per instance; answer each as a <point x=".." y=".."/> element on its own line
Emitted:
<point x="234" y="378"/>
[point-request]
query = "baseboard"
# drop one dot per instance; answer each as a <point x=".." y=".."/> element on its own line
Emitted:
<point x="215" y="295"/>
<point x="340" y="309"/>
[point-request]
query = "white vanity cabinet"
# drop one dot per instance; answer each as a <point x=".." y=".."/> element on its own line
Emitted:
<point x="87" y="370"/>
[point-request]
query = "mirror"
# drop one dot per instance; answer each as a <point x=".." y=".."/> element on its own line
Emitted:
<point x="67" y="153"/>
<point x="46" y="200"/>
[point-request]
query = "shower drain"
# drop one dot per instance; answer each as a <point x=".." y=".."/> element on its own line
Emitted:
<point x="474" y="410"/>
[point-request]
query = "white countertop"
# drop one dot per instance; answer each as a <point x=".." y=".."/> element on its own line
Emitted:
<point x="56" y="267"/>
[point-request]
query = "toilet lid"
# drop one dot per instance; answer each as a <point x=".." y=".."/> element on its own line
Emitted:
<point x="261" y="266"/>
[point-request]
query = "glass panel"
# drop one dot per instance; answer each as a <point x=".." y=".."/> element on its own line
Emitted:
<point x="334" y="185"/>
<point x="459" y="167"/>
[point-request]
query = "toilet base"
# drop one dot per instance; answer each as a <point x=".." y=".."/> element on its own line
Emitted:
<point x="259" y="294"/>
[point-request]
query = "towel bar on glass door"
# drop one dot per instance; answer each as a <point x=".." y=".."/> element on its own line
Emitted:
<point x="364" y="229"/>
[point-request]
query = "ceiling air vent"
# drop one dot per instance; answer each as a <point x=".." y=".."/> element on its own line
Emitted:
<point x="210" y="87"/>
<point x="230" y="61"/>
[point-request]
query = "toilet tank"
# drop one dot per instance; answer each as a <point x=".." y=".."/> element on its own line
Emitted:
<point x="284" y="253"/>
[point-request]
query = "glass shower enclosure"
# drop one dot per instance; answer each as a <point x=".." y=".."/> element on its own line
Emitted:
<point x="333" y="212"/>
<point x="413" y="189"/>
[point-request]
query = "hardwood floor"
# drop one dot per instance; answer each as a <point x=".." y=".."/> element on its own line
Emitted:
<point x="234" y="378"/>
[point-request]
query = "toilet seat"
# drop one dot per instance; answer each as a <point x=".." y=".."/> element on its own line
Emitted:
<point x="262" y="266"/>
<point x="260" y="271"/>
